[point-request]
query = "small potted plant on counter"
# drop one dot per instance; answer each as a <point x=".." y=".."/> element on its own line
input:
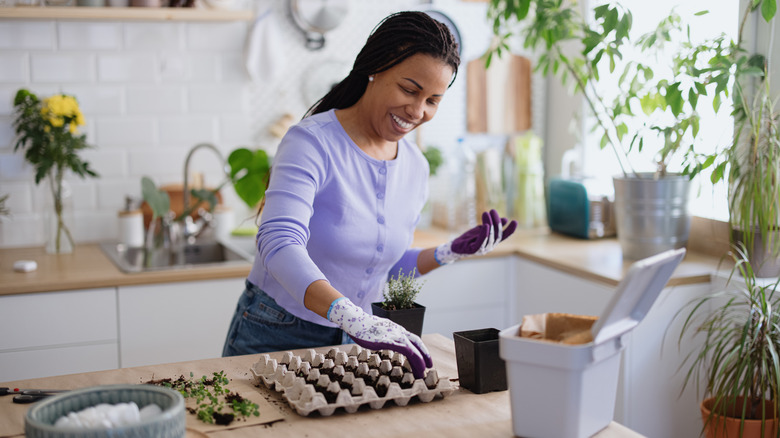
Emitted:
<point x="737" y="360"/>
<point x="399" y="306"/>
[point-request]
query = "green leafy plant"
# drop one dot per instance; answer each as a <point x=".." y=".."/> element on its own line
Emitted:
<point x="643" y="108"/>
<point x="434" y="157"/>
<point x="401" y="291"/>
<point x="738" y="359"/>
<point x="47" y="131"/>
<point x="159" y="201"/>
<point x="212" y="397"/>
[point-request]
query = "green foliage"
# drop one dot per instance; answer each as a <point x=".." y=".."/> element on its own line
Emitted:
<point x="740" y="332"/>
<point x="47" y="132"/>
<point x="647" y="108"/>
<point x="158" y="200"/>
<point x="434" y="157"/>
<point x="249" y="172"/>
<point x="401" y="291"/>
<point x="211" y="397"/>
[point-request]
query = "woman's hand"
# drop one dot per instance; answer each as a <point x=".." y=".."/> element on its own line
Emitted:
<point x="477" y="241"/>
<point x="377" y="333"/>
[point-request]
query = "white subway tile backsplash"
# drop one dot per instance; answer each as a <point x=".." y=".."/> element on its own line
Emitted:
<point x="217" y="36"/>
<point x="154" y="36"/>
<point x="155" y="100"/>
<point x="173" y="67"/>
<point x="7" y="94"/>
<point x="95" y="226"/>
<point x="186" y="131"/>
<point x="126" y="132"/>
<point x="74" y="35"/>
<point x="127" y="67"/>
<point x="203" y="67"/>
<point x="20" y="196"/>
<point x="6" y="133"/>
<point x="232" y="68"/>
<point x="107" y="162"/>
<point x="158" y="161"/>
<point x="218" y="98"/>
<point x="62" y="67"/>
<point x="236" y="130"/>
<point x="98" y="99"/>
<point x="111" y="193"/>
<point x="22" y="230"/>
<point x="13" y="167"/>
<point x="24" y="35"/>
<point x="14" y="67"/>
<point x="83" y="192"/>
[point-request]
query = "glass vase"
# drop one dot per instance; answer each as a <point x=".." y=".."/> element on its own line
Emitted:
<point x="58" y="216"/>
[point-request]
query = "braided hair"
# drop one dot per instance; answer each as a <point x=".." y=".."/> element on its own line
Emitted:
<point x="394" y="39"/>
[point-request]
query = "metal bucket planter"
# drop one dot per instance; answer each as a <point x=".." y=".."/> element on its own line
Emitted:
<point x="652" y="214"/>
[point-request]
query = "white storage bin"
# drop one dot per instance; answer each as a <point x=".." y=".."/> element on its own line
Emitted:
<point x="558" y="390"/>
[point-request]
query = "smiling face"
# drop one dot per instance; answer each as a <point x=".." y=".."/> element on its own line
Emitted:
<point x="403" y="97"/>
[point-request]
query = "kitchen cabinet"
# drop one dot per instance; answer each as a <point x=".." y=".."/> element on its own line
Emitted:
<point x="173" y="322"/>
<point x="124" y="14"/>
<point x="47" y="334"/>
<point x="469" y="294"/>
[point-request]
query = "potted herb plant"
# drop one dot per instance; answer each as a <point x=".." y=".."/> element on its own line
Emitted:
<point x="47" y="130"/>
<point x="399" y="305"/>
<point x="645" y="110"/>
<point x="737" y="360"/>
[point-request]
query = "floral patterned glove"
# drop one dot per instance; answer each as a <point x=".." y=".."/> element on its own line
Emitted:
<point x="478" y="240"/>
<point x="377" y="333"/>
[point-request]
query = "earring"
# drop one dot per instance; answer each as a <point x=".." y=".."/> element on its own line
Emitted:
<point x="370" y="79"/>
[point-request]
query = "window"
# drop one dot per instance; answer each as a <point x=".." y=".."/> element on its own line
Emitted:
<point x="716" y="130"/>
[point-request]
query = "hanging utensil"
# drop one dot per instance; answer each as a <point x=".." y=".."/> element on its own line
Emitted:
<point x="317" y="17"/>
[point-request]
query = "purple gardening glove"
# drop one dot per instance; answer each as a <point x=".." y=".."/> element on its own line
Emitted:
<point x="377" y="333"/>
<point x="478" y="240"/>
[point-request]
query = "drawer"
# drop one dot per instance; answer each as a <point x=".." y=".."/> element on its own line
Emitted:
<point x="29" y="364"/>
<point x="57" y="318"/>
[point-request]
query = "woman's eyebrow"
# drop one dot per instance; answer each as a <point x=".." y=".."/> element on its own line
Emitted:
<point x="420" y="86"/>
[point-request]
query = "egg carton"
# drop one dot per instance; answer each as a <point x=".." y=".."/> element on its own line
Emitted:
<point x="326" y="382"/>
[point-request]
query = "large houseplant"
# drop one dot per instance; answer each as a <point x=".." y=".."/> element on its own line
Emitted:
<point x="644" y="110"/>
<point x="738" y="359"/>
<point x="47" y="130"/>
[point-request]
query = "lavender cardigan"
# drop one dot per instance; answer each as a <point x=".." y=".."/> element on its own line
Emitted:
<point x="332" y="212"/>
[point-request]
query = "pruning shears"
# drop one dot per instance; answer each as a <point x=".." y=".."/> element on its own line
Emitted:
<point x="28" y="395"/>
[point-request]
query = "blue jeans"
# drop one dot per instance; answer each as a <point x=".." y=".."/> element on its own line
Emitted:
<point x="260" y="326"/>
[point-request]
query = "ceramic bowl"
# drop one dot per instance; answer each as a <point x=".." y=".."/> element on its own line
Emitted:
<point x="39" y="421"/>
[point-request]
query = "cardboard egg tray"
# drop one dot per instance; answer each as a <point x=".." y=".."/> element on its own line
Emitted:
<point x="325" y="382"/>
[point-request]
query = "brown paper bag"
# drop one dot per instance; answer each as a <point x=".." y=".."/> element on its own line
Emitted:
<point x="562" y="328"/>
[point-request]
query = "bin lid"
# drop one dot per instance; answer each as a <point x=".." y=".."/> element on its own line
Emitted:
<point x="636" y="294"/>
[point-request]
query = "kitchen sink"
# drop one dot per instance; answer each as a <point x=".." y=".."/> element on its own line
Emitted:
<point x="208" y="253"/>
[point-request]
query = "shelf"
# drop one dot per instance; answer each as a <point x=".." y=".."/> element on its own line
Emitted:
<point x="124" y="14"/>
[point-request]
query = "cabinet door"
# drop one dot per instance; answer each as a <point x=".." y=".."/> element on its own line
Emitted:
<point x="175" y="322"/>
<point x="47" y="334"/>
<point x="541" y="289"/>
<point x="470" y="294"/>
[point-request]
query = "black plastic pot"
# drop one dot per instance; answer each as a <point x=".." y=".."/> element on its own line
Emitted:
<point x="480" y="368"/>
<point x="410" y="319"/>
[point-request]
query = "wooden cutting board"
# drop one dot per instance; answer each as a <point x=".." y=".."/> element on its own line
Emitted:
<point x="498" y="99"/>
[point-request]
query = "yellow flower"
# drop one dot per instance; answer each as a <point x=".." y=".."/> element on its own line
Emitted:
<point x="60" y="109"/>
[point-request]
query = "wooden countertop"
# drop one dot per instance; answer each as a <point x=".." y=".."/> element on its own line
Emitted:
<point x="461" y="413"/>
<point x="88" y="267"/>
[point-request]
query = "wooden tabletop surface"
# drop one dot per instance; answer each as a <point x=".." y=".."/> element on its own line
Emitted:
<point x="461" y="413"/>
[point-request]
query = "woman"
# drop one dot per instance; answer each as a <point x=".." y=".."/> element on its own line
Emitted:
<point x="344" y="198"/>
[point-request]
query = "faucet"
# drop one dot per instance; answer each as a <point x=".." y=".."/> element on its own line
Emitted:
<point x="192" y="230"/>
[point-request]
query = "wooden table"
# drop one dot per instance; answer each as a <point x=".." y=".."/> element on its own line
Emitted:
<point x="462" y="413"/>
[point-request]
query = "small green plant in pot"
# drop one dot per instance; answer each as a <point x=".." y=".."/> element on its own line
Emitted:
<point x="738" y="358"/>
<point x="399" y="305"/>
